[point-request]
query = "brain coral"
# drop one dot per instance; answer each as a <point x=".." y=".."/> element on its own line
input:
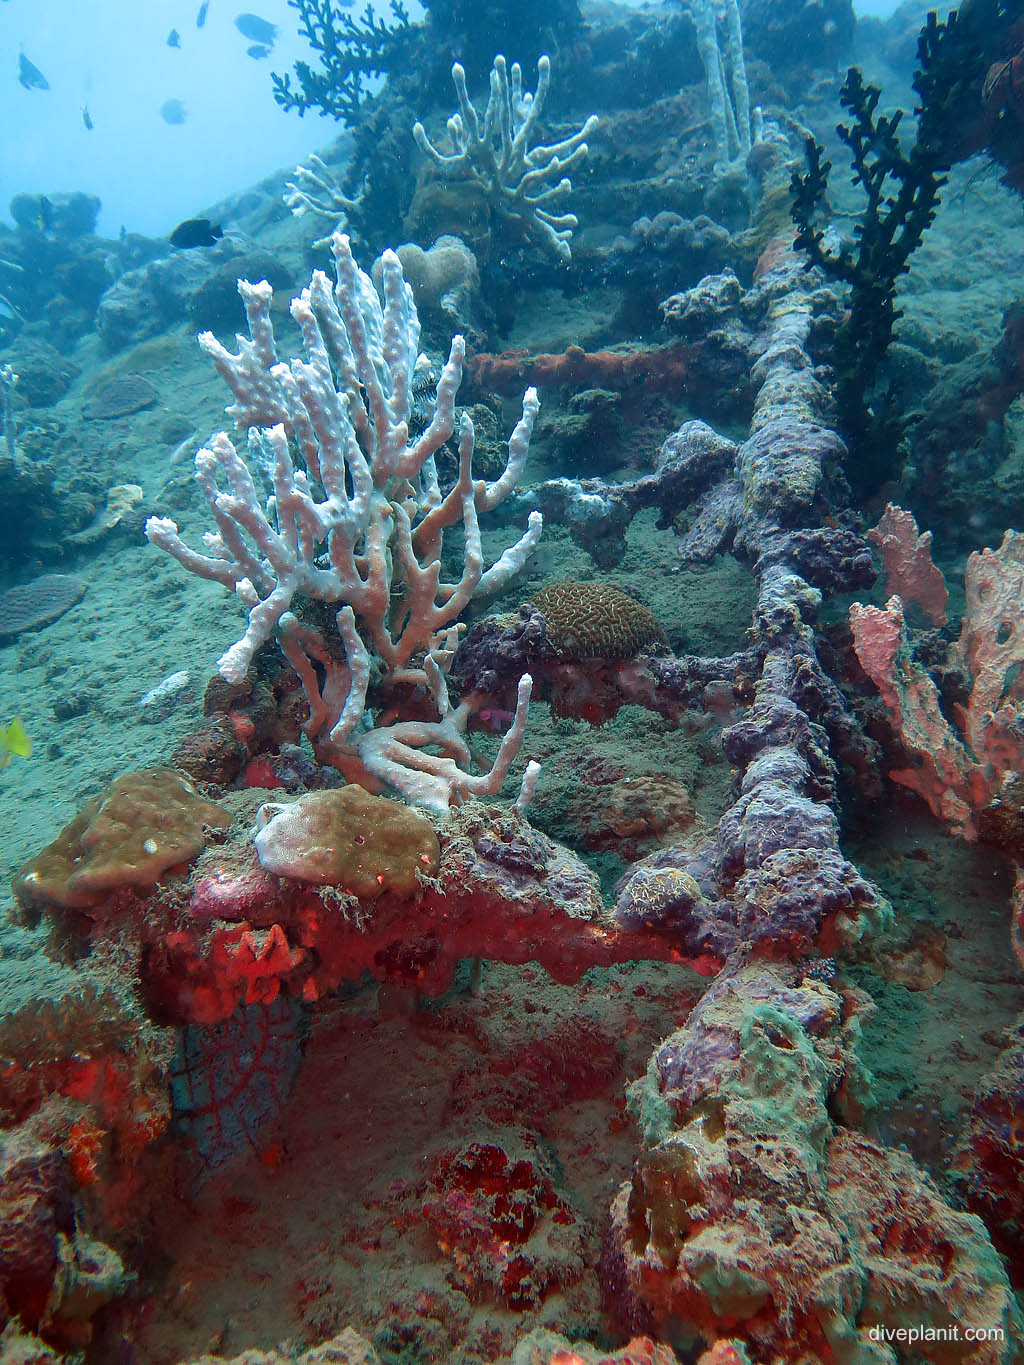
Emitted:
<point x="596" y="621"/>
<point x="141" y="825"/>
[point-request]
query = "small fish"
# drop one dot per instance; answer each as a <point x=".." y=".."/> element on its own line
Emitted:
<point x="195" y="232"/>
<point x="30" y="76"/>
<point x="44" y="218"/>
<point x="201" y="16"/>
<point x="257" y="50"/>
<point x="87" y="117"/>
<point x="258" y="30"/>
<point x="172" y="111"/>
<point x="14" y="742"/>
<point x="174" y="38"/>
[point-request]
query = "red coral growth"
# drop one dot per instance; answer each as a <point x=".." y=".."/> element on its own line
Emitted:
<point x="258" y="961"/>
<point x="499" y="1220"/>
<point x="908" y="563"/>
<point x="126" y="1100"/>
<point x="958" y="771"/>
<point x="95" y="1115"/>
<point x="84" y="1146"/>
<point x="205" y="981"/>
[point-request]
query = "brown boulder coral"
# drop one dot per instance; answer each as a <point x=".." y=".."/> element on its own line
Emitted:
<point x="634" y="816"/>
<point x="366" y="844"/>
<point x="142" y="825"/>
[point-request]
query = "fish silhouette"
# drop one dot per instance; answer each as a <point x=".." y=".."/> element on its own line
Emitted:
<point x="195" y="232"/>
<point x="257" y="30"/>
<point x="30" y="76"/>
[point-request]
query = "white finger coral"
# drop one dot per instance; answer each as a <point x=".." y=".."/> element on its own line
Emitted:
<point x="522" y="183"/>
<point x="356" y="520"/>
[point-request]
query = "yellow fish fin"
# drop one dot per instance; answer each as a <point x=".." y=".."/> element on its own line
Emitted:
<point x="16" y="739"/>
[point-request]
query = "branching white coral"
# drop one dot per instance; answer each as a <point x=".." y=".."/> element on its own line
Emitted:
<point x="720" y="42"/>
<point x="315" y="191"/>
<point x="522" y="183"/>
<point x="359" y="527"/>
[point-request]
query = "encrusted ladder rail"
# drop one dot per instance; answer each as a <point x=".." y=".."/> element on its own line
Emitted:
<point x="753" y="1159"/>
